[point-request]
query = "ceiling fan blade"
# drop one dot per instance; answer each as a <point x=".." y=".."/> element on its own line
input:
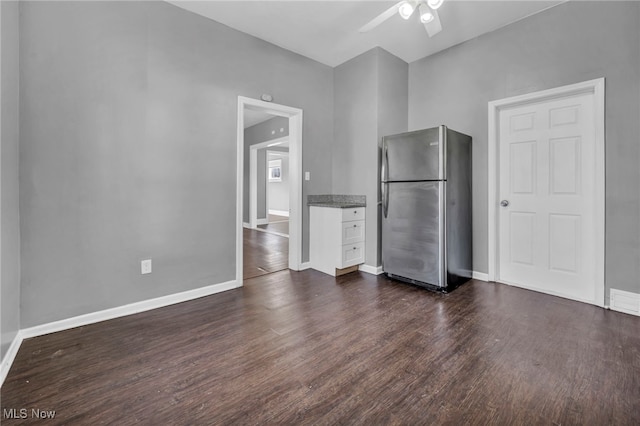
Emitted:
<point x="380" y="18"/>
<point x="433" y="27"/>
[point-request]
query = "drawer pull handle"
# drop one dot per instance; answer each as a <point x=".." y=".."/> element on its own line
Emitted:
<point x="354" y="248"/>
<point x="355" y="212"/>
<point x="355" y="226"/>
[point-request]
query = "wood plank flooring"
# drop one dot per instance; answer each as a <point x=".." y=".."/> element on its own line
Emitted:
<point x="263" y="253"/>
<point x="307" y="348"/>
<point x="277" y="224"/>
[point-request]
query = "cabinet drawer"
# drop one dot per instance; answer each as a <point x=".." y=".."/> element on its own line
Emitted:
<point x="352" y="232"/>
<point x="356" y="213"/>
<point x="352" y="254"/>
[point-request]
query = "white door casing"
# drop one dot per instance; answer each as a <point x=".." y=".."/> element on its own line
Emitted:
<point x="295" y="178"/>
<point x="546" y="158"/>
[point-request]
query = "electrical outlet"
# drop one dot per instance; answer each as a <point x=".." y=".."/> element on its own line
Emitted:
<point x="307" y="175"/>
<point x="145" y="266"/>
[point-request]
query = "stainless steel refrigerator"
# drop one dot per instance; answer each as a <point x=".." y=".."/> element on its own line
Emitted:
<point x="426" y="207"/>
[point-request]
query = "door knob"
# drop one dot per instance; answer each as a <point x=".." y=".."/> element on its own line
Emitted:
<point x="504" y="203"/>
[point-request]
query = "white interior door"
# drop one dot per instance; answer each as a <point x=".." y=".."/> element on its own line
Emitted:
<point x="547" y="230"/>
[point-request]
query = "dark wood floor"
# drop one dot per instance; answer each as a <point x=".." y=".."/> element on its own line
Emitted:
<point x="263" y="253"/>
<point x="307" y="348"/>
<point x="277" y="224"/>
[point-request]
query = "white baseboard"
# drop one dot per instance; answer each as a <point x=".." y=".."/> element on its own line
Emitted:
<point x="8" y="358"/>
<point x="305" y="265"/>
<point x="375" y="270"/>
<point x="624" y="301"/>
<point x="107" y="314"/>
<point x="132" y="308"/>
<point x="258" y="222"/>
<point x="378" y="270"/>
<point x="480" y="276"/>
<point x="267" y="231"/>
<point x="279" y="212"/>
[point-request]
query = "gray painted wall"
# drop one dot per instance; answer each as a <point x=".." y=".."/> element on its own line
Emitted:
<point x="128" y="149"/>
<point x="127" y="137"/>
<point x="393" y="114"/>
<point x="371" y="99"/>
<point x="570" y="43"/>
<point x="10" y="241"/>
<point x="355" y="154"/>
<point x="261" y="132"/>
<point x="279" y="191"/>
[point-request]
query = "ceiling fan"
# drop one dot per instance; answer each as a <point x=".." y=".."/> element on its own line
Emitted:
<point x="427" y="9"/>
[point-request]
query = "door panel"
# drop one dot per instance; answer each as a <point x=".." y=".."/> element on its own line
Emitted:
<point x="414" y="156"/>
<point x="565" y="170"/>
<point x="547" y="231"/>
<point x="522" y="167"/>
<point x="564" y="243"/>
<point x="521" y="229"/>
<point x="412" y="241"/>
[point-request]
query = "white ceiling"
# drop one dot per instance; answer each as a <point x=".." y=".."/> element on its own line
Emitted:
<point x="327" y="31"/>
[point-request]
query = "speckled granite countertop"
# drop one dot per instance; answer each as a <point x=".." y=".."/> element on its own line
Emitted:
<point x="337" y="201"/>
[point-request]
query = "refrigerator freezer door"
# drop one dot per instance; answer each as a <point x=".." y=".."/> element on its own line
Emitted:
<point x="414" y="156"/>
<point x="413" y="241"/>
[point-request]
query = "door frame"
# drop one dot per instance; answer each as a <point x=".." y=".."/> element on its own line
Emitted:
<point x="253" y="180"/>
<point x="295" y="178"/>
<point x="595" y="87"/>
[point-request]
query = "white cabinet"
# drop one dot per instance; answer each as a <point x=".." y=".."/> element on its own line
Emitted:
<point x="356" y="213"/>
<point x="337" y="237"/>
<point x="352" y="232"/>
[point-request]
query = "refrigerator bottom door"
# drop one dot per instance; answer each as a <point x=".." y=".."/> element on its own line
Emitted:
<point x="412" y="237"/>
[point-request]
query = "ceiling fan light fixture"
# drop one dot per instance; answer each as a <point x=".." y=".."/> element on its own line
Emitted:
<point x="435" y="4"/>
<point x="426" y="15"/>
<point x="406" y="8"/>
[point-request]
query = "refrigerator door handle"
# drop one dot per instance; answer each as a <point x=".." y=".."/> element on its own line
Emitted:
<point x="384" y="171"/>
<point x="383" y="180"/>
<point x="385" y="199"/>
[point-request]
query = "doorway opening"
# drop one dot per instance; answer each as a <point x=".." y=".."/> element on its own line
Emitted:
<point x="269" y="189"/>
<point x="266" y="235"/>
<point x="269" y="180"/>
<point x="277" y="191"/>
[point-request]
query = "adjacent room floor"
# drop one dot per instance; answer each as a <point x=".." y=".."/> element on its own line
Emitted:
<point x="278" y="225"/>
<point x="264" y="253"/>
<point x="307" y="348"/>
